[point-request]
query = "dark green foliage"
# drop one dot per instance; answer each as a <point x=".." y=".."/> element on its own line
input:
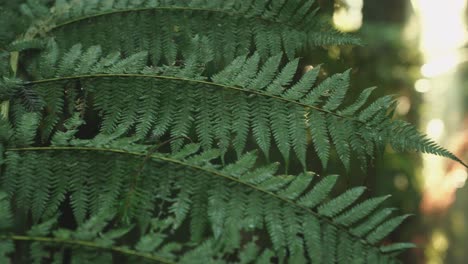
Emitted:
<point x="245" y="97"/>
<point x="98" y="240"/>
<point x="123" y="116"/>
<point x="14" y="88"/>
<point x="233" y="27"/>
<point x="199" y="192"/>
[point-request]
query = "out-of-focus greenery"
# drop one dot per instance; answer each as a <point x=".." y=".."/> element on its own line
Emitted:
<point x="388" y="61"/>
<point x="453" y="224"/>
<point x="393" y="63"/>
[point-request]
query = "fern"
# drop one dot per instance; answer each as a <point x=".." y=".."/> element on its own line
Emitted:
<point x="191" y="201"/>
<point x="126" y="137"/>
<point x="265" y="104"/>
<point x="92" y="236"/>
<point x="245" y="25"/>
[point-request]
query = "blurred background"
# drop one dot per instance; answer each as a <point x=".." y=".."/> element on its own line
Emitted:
<point x="416" y="50"/>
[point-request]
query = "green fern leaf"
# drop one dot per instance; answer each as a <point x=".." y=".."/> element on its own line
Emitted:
<point x="186" y="151"/>
<point x="274" y="225"/>
<point x="314" y="97"/>
<point x="360" y="211"/>
<point x="298" y="133"/>
<point x="25" y="132"/>
<point x="248" y="71"/>
<point x="183" y="120"/>
<point x="198" y="213"/>
<point x="260" y="174"/>
<point x="233" y="69"/>
<point x="319" y="192"/>
<point x="386" y="228"/>
<point x="360" y="101"/>
<point x="49" y="59"/>
<point x="130" y="64"/>
<point x="337" y="205"/>
<point x="380" y="104"/>
<point x="260" y="126"/>
<point x="397" y="247"/>
<point x="372" y="222"/>
<point x="267" y="73"/>
<point x="339" y="134"/>
<point x="279" y="128"/>
<point x="313" y="239"/>
<point x="329" y="243"/>
<point x="242" y="165"/>
<point x="204" y="125"/>
<point x="181" y="207"/>
<point x="299" y="89"/>
<point x="89" y="59"/>
<point x="297" y="186"/>
<point x="338" y="92"/>
<point x="284" y="78"/>
<point x="70" y="61"/>
<point x="217" y="203"/>
<point x="344" y="248"/>
<point x="241" y="124"/>
<point x="318" y="130"/>
<point x="148" y="112"/>
<point x="6" y="219"/>
<point x="276" y="183"/>
<point x="253" y="215"/>
<point x="292" y="230"/>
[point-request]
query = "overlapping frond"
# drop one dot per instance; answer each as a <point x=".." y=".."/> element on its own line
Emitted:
<point x="248" y="97"/>
<point x="162" y="27"/>
<point x="98" y="240"/>
<point x="197" y="190"/>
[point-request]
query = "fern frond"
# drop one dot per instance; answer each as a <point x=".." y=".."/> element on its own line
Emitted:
<point x="88" y="236"/>
<point x="239" y="27"/>
<point x="26" y="129"/>
<point x="202" y="207"/>
<point x="261" y="106"/>
<point x="91" y="241"/>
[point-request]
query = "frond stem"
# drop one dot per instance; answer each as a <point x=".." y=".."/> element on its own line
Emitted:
<point x="164" y="77"/>
<point x="89" y="244"/>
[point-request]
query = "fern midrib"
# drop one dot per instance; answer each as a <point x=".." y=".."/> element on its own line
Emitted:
<point x="195" y="167"/>
<point x="164" y="77"/>
<point x="172" y="8"/>
<point x="89" y="244"/>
